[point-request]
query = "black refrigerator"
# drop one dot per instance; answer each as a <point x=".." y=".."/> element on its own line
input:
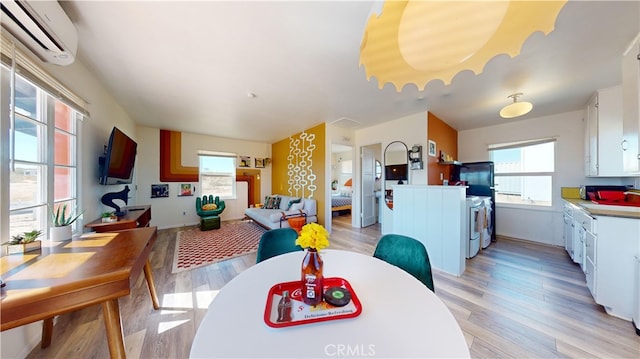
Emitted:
<point x="479" y="178"/>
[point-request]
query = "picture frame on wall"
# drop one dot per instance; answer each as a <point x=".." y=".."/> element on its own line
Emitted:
<point x="245" y="161"/>
<point x="159" y="190"/>
<point x="432" y="148"/>
<point x="186" y="189"/>
<point x="259" y="162"/>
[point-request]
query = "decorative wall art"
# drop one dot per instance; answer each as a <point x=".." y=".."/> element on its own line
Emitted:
<point x="300" y="160"/>
<point x="186" y="189"/>
<point x="171" y="168"/>
<point x="245" y="161"/>
<point x="259" y="162"/>
<point x="159" y="190"/>
<point x="432" y="148"/>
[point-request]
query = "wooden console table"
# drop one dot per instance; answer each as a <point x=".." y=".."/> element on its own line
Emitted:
<point x="135" y="217"/>
<point x="97" y="268"/>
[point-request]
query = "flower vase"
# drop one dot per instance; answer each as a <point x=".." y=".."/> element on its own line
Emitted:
<point x="312" y="277"/>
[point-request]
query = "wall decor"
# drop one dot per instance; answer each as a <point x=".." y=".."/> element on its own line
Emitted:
<point x="301" y="176"/>
<point x="186" y="189"/>
<point x="245" y="161"/>
<point x="432" y="148"/>
<point x="171" y="168"/>
<point x="159" y="190"/>
<point x="259" y="162"/>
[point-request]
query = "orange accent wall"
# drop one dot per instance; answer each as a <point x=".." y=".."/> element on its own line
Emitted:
<point x="282" y="176"/>
<point x="171" y="168"/>
<point x="446" y="139"/>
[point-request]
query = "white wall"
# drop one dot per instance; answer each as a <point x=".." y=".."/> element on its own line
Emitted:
<point x="542" y="224"/>
<point x="174" y="211"/>
<point x="411" y="130"/>
<point x="105" y="113"/>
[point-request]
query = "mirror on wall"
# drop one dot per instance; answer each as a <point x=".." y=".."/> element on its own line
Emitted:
<point x="378" y="170"/>
<point x="396" y="168"/>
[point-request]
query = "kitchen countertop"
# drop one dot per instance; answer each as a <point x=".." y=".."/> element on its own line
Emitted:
<point x="601" y="210"/>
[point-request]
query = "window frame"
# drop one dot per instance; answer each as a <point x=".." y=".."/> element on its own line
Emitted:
<point x="525" y="174"/>
<point x="231" y="174"/>
<point x="45" y="119"/>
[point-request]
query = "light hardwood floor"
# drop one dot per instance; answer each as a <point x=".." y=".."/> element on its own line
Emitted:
<point x="516" y="299"/>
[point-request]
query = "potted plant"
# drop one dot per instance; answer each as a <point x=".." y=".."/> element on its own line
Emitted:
<point x="109" y="217"/>
<point x="61" y="229"/>
<point x="24" y="242"/>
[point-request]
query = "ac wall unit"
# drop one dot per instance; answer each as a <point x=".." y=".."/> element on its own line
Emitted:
<point x="43" y="27"/>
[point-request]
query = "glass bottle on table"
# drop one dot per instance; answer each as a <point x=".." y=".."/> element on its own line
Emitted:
<point x="312" y="277"/>
<point x="284" y="307"/>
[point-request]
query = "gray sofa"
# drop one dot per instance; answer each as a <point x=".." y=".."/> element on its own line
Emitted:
<point x="277" y="218"/>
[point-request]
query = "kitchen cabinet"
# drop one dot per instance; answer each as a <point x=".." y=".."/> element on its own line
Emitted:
<point x="631" y="108"/>
<point x="567" y="235"/>
<point x="436" y="216"/>
<point x="616" y="246"/>
<point x="603" y="134"/>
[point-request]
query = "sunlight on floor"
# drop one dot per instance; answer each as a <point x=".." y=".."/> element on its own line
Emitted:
<point x="164" y="326"/>
<point x="186" y="299"/>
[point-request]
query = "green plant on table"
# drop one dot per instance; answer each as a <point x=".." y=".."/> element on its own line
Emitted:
<point x="108" y="214"/>
<point x="60" y="219"/>
<point x="26" y="237"/>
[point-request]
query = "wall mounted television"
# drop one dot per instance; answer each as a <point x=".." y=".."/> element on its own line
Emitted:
<point x="116" y="165"/>
<point x="396" y="173"/>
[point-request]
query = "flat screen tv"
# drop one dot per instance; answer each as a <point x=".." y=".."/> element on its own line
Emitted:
<point x="396" y="173"/>
<point x="116" y="165"/>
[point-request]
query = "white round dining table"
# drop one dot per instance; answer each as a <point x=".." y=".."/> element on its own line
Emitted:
<point x="400" y="316"/>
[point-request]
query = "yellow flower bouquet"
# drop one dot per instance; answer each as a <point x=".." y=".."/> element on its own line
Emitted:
<point x="313" y="236"/>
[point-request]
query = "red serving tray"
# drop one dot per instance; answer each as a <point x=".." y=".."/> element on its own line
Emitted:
<point x="305" y="314"/>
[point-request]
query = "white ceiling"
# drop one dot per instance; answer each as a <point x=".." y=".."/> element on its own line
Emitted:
<point x="188" y="66"/>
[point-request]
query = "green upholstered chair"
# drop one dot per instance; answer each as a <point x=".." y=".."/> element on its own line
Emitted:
<point x="408" y="254"/>
<point x="276" y="242"/>
<point x="208" y="200"/>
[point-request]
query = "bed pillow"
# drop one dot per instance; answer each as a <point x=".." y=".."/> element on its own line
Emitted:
<point x="272" y="202"/>
<point x="293" y="201"/>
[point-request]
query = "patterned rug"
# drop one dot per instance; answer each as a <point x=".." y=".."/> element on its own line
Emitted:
<point x="196" y="248"/>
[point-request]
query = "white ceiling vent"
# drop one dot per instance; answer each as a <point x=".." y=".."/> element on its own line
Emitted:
<point x="345" y="122"/>
<point x="43" y="27"/>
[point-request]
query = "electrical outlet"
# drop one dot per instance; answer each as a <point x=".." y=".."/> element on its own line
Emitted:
<point x="441" y="176"/>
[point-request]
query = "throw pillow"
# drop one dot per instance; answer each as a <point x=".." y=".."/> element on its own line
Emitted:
<point x="209" y="207"/>
<point x="297" y="206"/>
<point x="292" y="201"/>
<point x="272" y="202"/>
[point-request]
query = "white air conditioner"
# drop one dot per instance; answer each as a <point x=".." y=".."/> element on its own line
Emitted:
<point x="43" y="27"/>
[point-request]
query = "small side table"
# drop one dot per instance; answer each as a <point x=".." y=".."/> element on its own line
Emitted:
<point x="297" y="222"/>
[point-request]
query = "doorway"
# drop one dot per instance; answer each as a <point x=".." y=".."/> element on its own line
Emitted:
<point x="370" y="186"/>
<point x="341" y="182"/>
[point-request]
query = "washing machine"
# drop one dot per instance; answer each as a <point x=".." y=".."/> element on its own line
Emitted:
<point x="487" y="225"/>
<point x="474" y="222"/>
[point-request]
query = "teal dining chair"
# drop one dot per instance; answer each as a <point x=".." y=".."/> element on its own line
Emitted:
<point x="276" y="242"/>
<point x="408" y="254"/>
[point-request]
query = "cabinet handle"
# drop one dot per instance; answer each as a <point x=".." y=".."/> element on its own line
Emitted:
<point x="625" y="145"/>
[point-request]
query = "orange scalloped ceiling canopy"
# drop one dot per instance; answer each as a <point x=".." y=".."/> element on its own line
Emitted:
<point x="417" y="41"/>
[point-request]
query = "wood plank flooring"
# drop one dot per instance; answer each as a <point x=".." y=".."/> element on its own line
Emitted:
<point x="516" y="299"/>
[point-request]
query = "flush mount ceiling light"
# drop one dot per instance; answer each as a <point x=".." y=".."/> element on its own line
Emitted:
<point x="516" y="108"/>
<point x="417" y="41"/>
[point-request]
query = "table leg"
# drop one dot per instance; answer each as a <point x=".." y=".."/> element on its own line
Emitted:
<point x="47" y="332"/>
<point x="152" y="288"/>
<point x="113" y="325"/>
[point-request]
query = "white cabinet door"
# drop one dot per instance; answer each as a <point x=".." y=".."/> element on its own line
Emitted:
<point x="591" y="137"/>
<point x="617" y="244"/>
<point x="631" y="108"/>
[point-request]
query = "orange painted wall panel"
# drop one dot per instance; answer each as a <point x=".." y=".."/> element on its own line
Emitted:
<point x="446" y="139"/>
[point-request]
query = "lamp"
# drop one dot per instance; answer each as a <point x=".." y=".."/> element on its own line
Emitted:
<point x="416" y="41"/>
<point x="516" y="108"/>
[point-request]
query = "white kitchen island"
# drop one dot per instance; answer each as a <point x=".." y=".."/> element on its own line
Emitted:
<point x="436" y="216"/>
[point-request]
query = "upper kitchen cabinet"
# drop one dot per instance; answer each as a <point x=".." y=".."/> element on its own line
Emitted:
<point x="603" y="134"/>
<point x="631" y="108"/>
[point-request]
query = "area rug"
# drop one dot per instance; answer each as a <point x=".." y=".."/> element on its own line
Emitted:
<point x="196" y="248"/>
